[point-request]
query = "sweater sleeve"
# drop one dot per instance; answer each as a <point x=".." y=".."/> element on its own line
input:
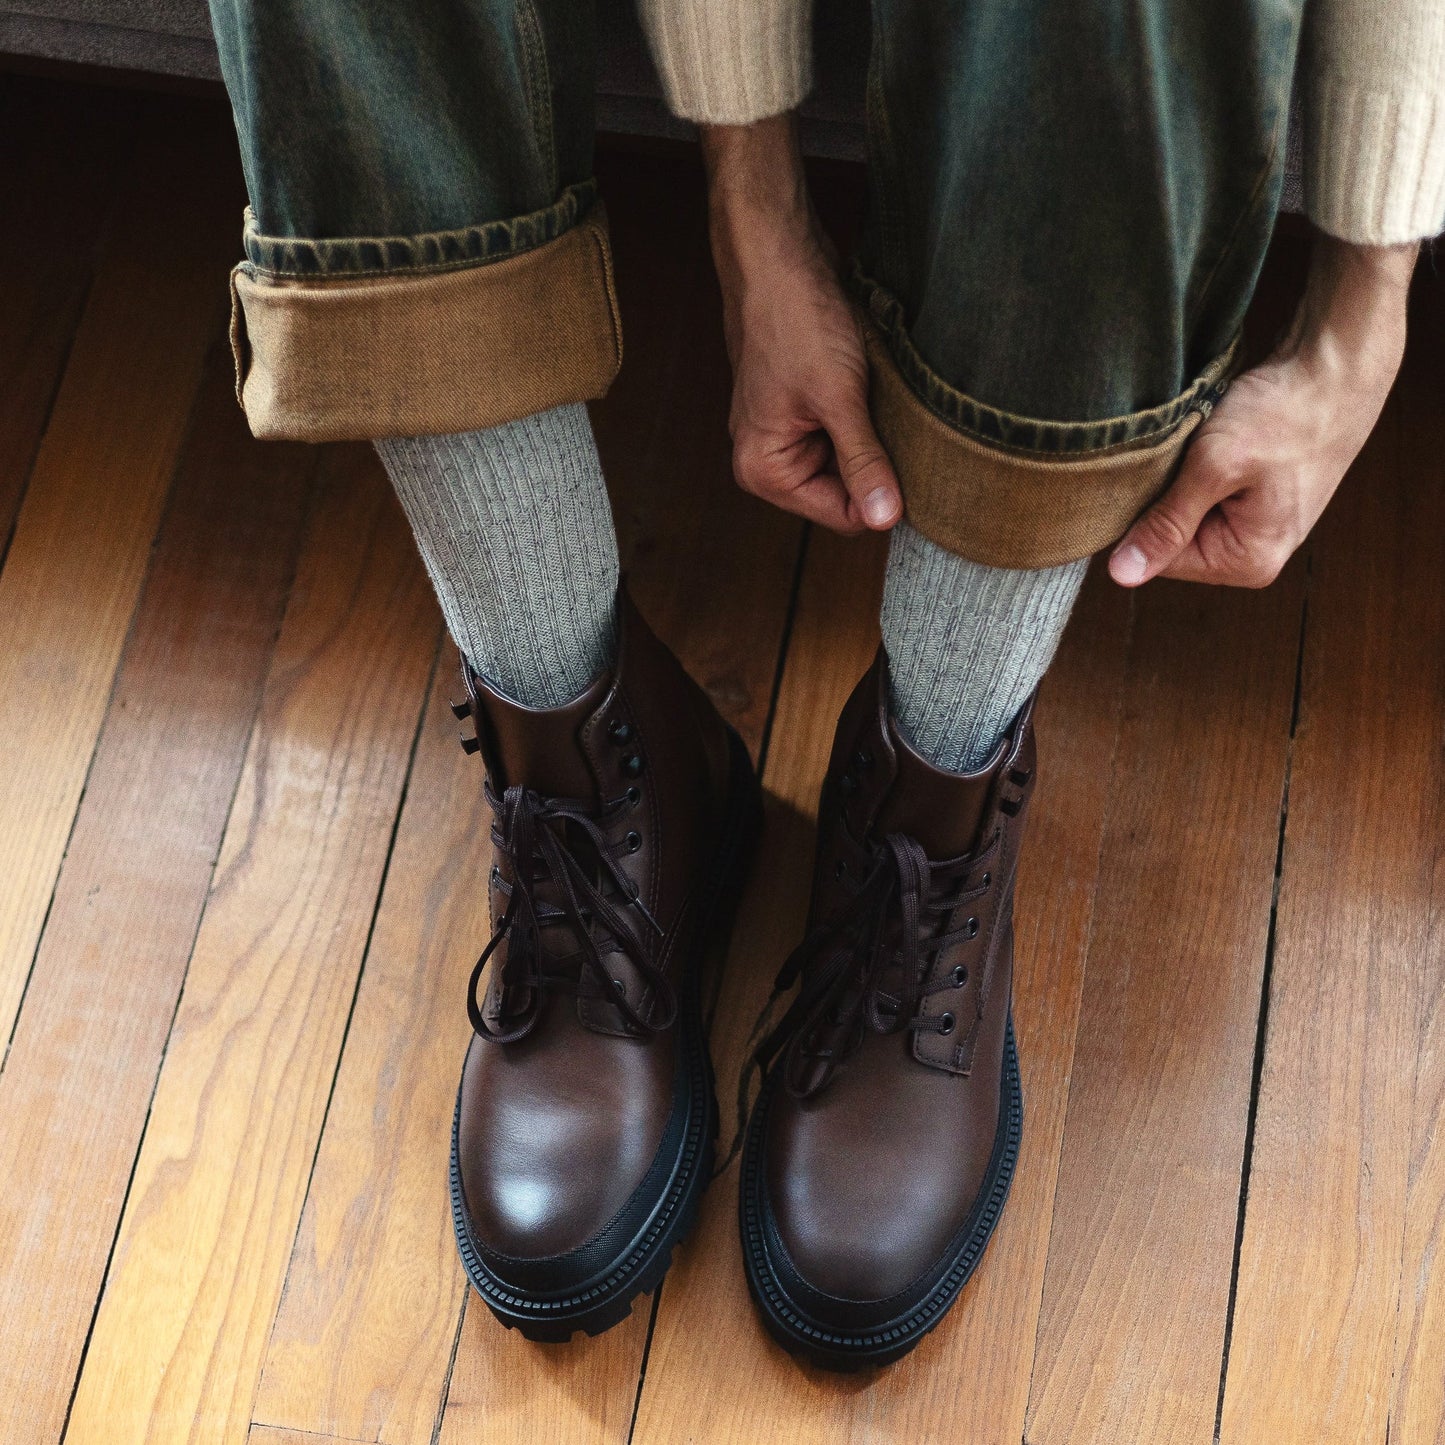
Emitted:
<point x="1374" y="102"/>
<point x="728" y="62"/>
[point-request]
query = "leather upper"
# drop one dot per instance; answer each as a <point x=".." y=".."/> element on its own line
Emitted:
<point x="557" y="1128"/>
<point x="874" y="1170"/>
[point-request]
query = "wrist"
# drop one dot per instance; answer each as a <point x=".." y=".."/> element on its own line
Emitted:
<point x="759" y="211"/>
<point x="1352" y="313"/>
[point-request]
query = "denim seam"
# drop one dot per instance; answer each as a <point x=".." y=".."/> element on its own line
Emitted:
<point x="1281" y="119"/>
<point x="882" y="173"/>
<point x="538" y="82"/>
<point x="304" y="258"/>
<point x="1027" y="436"/>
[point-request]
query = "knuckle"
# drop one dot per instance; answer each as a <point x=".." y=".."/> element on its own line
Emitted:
<point x="1167" y="529"/>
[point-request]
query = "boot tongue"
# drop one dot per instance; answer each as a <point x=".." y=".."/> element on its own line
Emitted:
<point x="943" y="811"/>
<point x="538" y="748"/>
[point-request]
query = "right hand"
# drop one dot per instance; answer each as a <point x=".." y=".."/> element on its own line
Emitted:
<point x="802" y="436"/>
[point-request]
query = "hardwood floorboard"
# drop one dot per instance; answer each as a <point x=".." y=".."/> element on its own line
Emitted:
<point x="364" y="1338"/>
<point x="1344" y="1213"/>
<point x="1137" y="1284"/>
<point x="178" y="1343"/>
<point x="1417" y="1410"/>
<point x="58" y="197"/>
<point x="82" y="1069"/>
<point x="98" y="484"/>
<point x="711" y="1374"/>
<point x="988" y="1340"/>
<point x="712" y="569"/>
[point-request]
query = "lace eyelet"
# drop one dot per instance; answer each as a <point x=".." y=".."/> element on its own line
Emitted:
<point x="632" y="765"/>
<point x="621" y="987"/>
<point x="946" y="1023"/>
<point x="985" y="880"/>
<point x="970" y="929"/>
<point x="863" y="760"/>
<point x="633" y="841"/>
<point x="960" y="976"/>
<point x="620" y="732"/>
<point x="840" y="869"/>
<point x="634" y="797"/>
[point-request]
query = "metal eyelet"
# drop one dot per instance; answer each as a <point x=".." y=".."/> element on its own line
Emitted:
<point x="634" y="797"/>
<point x="633" y="841"/>
<point x="620" y="732"/>
<point x="632" y="765"/>
<point x="960" y="976"/>
<point x="863" y="759"/>
<point x="621" y="987"/>
<point x="985" y="880"/>
<point x="946" y="1023"/>
<point x="970" y="929"/>
<point x="840" y="869"/>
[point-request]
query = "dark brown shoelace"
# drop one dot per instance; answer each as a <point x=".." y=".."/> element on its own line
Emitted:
<point x="541" y="838"/>
<point x="865" y="968"/>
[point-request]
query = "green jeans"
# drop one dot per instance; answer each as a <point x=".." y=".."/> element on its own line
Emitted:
<point x="1069" y="207"/>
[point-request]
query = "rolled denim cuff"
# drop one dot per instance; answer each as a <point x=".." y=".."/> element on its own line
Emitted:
<point x="355" y="338"/>
<point x="1009" y="491"/>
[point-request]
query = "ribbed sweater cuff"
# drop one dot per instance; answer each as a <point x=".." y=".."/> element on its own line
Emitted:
<point x="1374" y="160"/>
<point x="729" y="62"/>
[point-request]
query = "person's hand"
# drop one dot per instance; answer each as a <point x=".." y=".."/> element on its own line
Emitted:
<point x="1262" y="467"/>
<point x="802" y="436"/>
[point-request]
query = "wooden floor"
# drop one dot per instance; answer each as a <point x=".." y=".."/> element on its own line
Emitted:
<point x="240" y="892"/>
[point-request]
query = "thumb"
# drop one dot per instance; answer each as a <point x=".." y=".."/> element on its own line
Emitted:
<point x="1169" y="527"/>
<point x="863" y="465"/>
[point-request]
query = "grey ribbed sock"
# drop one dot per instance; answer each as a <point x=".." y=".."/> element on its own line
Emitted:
<point x="967" y="644"/>
<point x="515" y="529"/>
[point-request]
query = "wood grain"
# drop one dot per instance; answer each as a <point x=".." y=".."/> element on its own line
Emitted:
<point x="178" y="1342"/>
<point x="368" y="1325"/>
<point x="83" y="1064"/>
<point x="1417" y="1412"/>
<point x="269" y="1435"/>
<point x="1327" y="1319"/>
<point x="712" y="570"/>
<point x="57" y="199"/>
<point x="1136" y="1289"/>
<point x="83" y="537"/>
<point x="711" y="1374"/>
<point x="988" y="1338"/>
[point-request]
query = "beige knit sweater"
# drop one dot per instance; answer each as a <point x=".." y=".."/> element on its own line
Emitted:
<point x="1373" y="86"/>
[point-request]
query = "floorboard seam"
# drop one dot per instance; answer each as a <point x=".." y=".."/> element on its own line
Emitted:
<point x="422" y="713"/>
<point x="436" y="1429"/>
<point x="1262" y="1023"/>
<point x="190" y="953"/>
<point x="120" y="657"/>
<point x="784" y="646"/>
<point x="1083" y="980"/>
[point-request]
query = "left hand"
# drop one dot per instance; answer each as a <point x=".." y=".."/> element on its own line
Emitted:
<point x="1261" y="469"/>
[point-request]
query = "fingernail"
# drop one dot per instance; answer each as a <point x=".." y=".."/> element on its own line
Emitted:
<point x="878" y="507"/>
<point x="1128" y="565"/>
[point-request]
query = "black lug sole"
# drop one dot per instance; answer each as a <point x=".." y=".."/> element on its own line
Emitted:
<point x="607" y="1298"/>
<point x="831" y="1348"/>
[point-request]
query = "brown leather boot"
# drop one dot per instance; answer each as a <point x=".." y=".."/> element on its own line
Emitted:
<point x="585" y="1119"/>
<point x="882" y="1145"/>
